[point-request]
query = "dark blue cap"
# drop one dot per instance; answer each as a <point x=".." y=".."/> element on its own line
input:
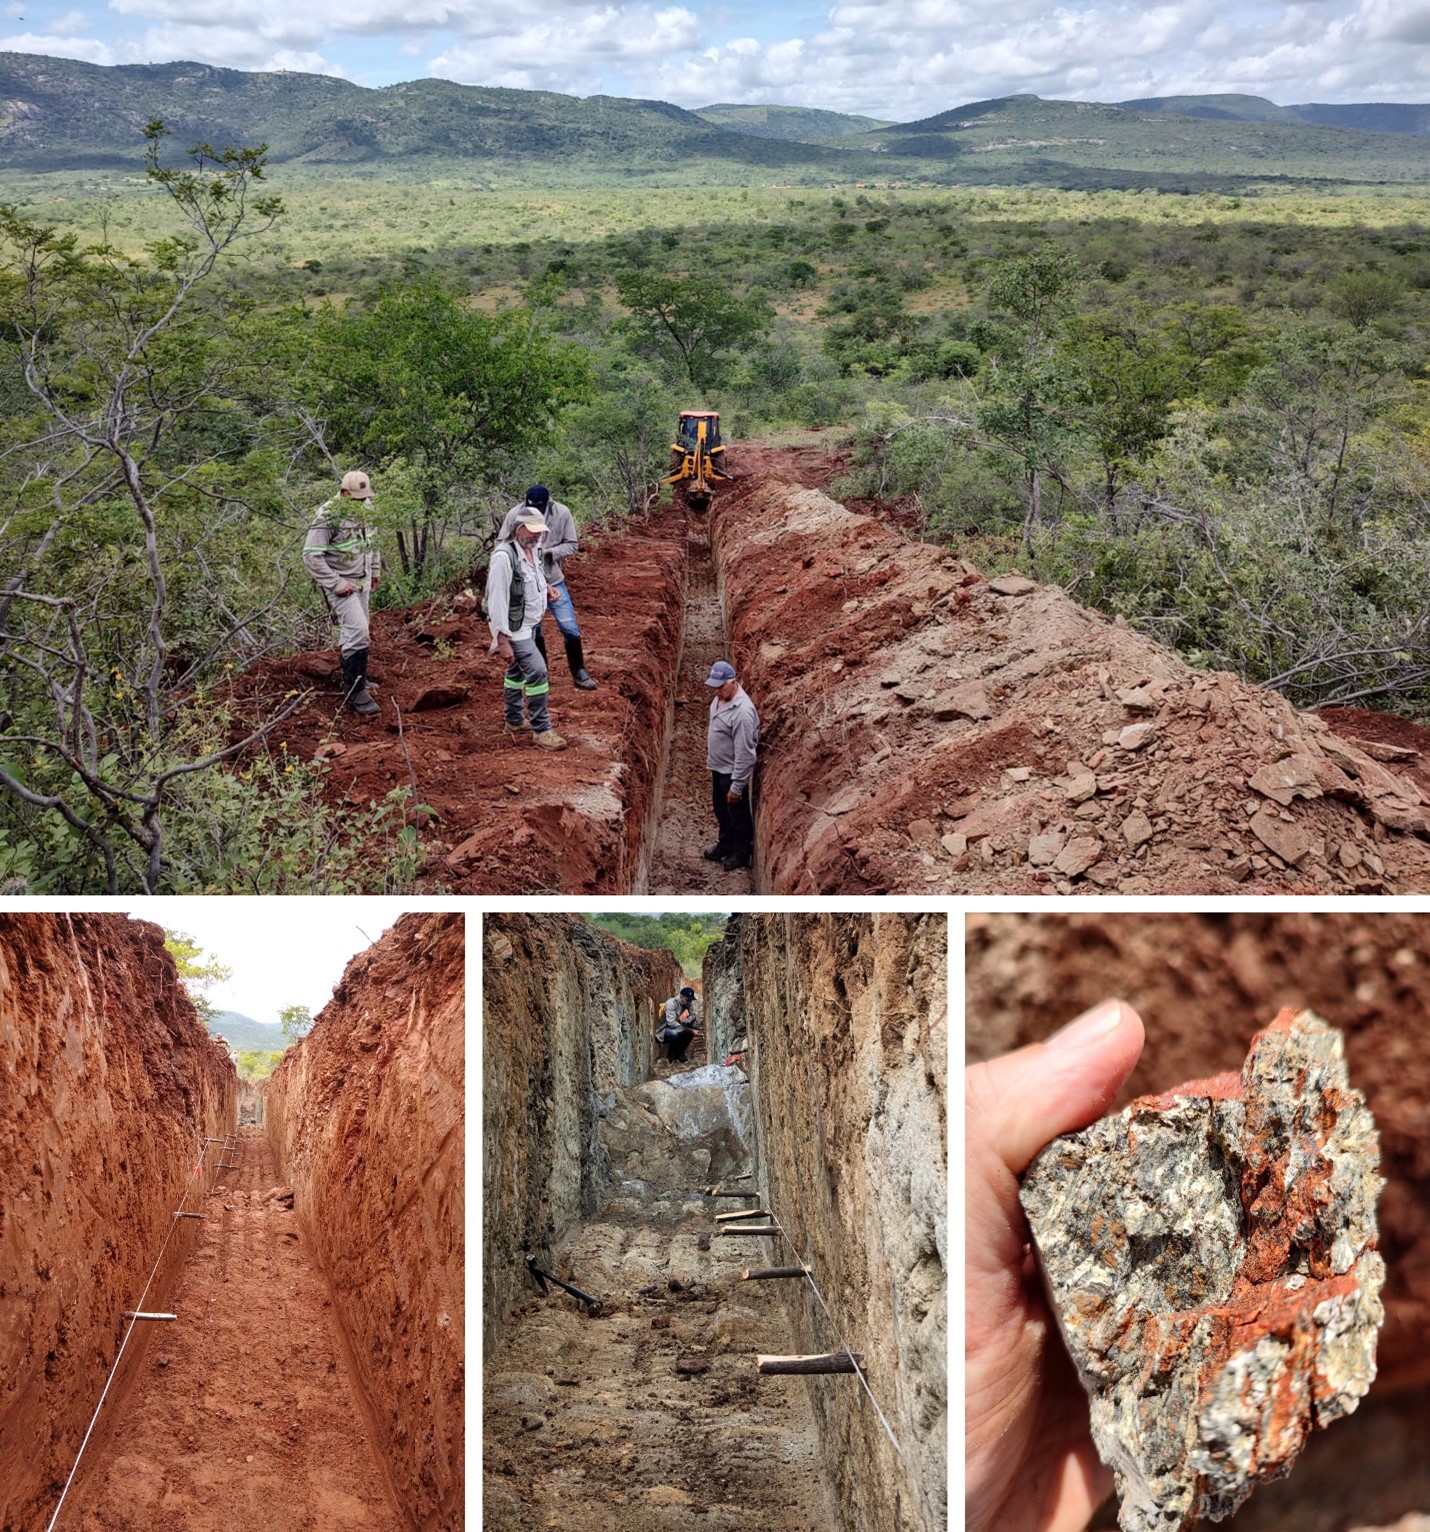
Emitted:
<point x="538" y="495"/>
<point x="720" y="672"/>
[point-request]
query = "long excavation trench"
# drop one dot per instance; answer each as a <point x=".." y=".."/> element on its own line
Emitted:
<point x="242" y="1412"/>
<point x="649" y="1412"/>
<point x="685" y="821"/>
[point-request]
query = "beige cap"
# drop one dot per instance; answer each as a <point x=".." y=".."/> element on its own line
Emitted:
<point x="532" y="519"/>
<point x="357" y="485"/>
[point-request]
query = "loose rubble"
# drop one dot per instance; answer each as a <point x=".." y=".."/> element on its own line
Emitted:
<point x="1211" y="1257"/>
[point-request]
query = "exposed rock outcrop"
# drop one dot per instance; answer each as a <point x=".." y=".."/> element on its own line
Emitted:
<point x="568" y="1016"/>
<point x="109" y="1084"/>
<point x="366" y="1118"/>
<point x="847" y="1018"/>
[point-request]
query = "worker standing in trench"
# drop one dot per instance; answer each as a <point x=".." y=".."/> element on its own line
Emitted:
<point x="731" y="745"/>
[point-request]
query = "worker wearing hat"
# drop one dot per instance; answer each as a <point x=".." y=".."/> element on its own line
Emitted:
<point x="340" y="555"/>
<point x="559" y="543"/>
<point x="731" y="743"/>
<point x="517" y="598"/>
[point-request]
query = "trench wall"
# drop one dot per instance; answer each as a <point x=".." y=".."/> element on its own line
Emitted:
<point x="108" y="1083"/>
<point x="569" y="1014"/>
<point x="848" y="1020"/>
<point x="366" y="1120"/>
<point x="1202" y="985"/>
<point x="924" y="730"/>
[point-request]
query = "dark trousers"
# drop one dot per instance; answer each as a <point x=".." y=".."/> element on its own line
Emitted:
<point x="737" y="829"/>
<point x="679" y="1044"/>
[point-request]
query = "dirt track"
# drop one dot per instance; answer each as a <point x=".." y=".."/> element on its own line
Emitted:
<point x="242" y="1414"/>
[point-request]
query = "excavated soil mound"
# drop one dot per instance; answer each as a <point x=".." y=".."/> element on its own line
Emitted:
<point x="508" y="818"/>
<point x="366" y="1115"/>
<point x="928" y="730"/>
<point x="108" y="1085"/>
<point x="1203" y="984"/>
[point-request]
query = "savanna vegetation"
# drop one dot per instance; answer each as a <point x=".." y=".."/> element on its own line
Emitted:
<point x="1207" y="414"/>
<point x="687" y="937"/>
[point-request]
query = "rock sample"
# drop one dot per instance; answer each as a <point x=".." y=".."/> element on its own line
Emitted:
<point x="1211" y="1257"/>
<point x="848" y="1022"/>
<point x="109" y="1085"/>
<point x="366" y="1118"/>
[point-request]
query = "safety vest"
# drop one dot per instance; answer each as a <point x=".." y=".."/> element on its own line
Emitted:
<point x="516" y="596"/>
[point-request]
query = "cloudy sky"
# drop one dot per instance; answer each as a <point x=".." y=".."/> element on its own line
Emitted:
<point x="901" y="60"/>
<point x="282" y="951"/>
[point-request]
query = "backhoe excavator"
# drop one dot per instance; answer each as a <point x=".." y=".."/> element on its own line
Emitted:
<point x="697" y="458"/>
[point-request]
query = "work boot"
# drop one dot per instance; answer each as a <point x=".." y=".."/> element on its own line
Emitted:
<point x="735" y="861"/>
<point x="355" y="691"/>
<point x="576" y="659"/>
<point x="715" y="853"/>
<point x="518" y="730"/>
<point x="549" y="739"/>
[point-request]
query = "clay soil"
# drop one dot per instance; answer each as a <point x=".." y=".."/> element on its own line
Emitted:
<point x="1203" y="984"/>
<point x="243" y="1415"/>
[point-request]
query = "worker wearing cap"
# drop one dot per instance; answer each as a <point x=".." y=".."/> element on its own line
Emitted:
<point x="731" y="743"/>
<point x="680" y="1024"/>
<point x="340" y="555"/>
<point x="517" y="598"/>
<point x="559" y="543"/>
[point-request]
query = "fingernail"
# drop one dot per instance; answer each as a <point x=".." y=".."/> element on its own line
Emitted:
<point x="1088" y="1028"/>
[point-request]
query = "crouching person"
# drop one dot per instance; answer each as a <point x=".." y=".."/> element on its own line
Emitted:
<point x="517" y="598"/>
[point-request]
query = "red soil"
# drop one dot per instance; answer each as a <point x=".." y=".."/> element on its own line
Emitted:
<point x="244" y="1415"/>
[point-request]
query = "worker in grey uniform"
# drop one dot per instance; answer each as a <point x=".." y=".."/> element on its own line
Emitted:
<point x="731" y="743"/>
<point x="517" y="596"/>
<point x="680" y="1024"/>
<point x="559" y="543"/>
<point x="341" y="556"/>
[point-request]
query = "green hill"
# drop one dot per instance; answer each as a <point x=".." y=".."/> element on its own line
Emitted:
<point x="58" y="114"/>
<point x="1366" y="117"/>
<point x="62" y="115"/>
<point x="1080" y="143"/>
<point x="244" y="1033"/>
<point x="791" y="124"/>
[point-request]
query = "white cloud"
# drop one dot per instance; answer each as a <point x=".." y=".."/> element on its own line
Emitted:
<point x="894" y="58"/>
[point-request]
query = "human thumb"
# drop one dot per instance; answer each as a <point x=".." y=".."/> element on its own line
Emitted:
<point x="1026" y="1099"/>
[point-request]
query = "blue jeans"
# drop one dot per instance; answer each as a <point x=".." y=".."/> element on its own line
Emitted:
<point x="562" y="610"/>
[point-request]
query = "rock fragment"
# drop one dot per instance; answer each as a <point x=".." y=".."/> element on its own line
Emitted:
<point x="1211" y="1256"/>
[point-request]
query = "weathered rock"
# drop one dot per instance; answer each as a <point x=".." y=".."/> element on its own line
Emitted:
<point x="1211" y="1256"/>
<point x="1012" y="585"/>
<point x="1078" y="855"/>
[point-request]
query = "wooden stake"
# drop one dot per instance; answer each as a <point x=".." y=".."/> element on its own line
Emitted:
<point x="745" y="1213"/>
<point x="833" y="1361"/>
<point x="772" y="1272"/>
<point x="710" y="1191"/>
<point x="734" y="1232"/>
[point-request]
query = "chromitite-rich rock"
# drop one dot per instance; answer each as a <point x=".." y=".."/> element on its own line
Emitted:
<point x="1210" y="1253"/>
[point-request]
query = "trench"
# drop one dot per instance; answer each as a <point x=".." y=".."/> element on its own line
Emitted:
<point x="217" y="1432"/>
<point x="681" y="814"/>
<point x="636" y="1404"/>
<point x="294" y="1251"/>
<point x="649" y="1412"/>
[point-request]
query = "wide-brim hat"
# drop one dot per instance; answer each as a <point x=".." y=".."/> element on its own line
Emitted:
<point x="532" y="520"/>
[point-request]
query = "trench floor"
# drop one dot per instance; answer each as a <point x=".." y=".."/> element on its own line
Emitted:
<point x="590" y="1425"/>
<point x="687" y="819"/>
<point x="242" y="1414"/>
